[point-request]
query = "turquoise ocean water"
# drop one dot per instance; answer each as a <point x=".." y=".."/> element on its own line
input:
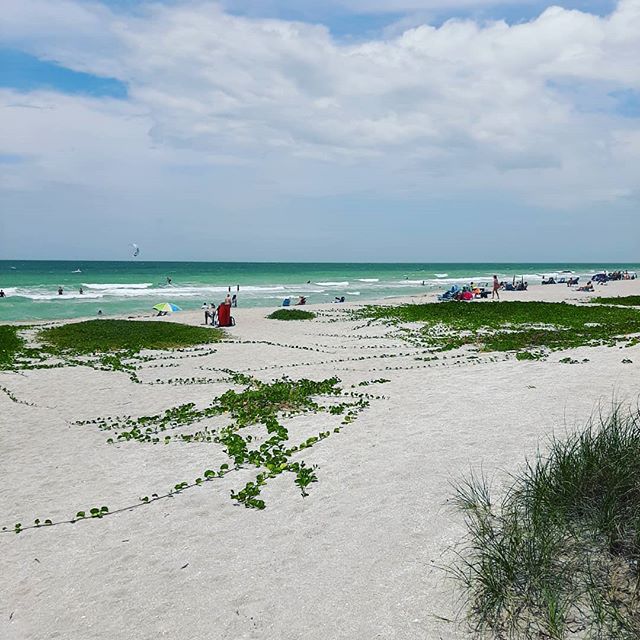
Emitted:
<point x="134" y="286"/>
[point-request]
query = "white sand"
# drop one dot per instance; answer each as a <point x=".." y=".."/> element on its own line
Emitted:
<point x="357" y="559"/>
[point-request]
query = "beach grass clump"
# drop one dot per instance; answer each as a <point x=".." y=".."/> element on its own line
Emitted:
<point x="10" y="345"/>
<point x="627" y="301"/>
<point x="511" y="326"/>
<point x="95" y="336"/>
<point x="291" y="314"/>
<point x="558" y="556"/>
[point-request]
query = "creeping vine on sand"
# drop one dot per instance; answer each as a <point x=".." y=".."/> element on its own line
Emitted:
<point x="271" y="453"/>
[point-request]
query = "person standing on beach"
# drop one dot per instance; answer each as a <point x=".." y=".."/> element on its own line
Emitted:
<point x="227" y="300"/>
<point x="234" y="300"/>
<point x="496" y="288"/>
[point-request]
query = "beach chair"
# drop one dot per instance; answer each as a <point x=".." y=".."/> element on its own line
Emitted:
<point x="450" y="294"/>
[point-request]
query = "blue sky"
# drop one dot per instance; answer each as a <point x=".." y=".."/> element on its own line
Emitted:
<point x="349" y="129"/>
<point x="26" y="72"/>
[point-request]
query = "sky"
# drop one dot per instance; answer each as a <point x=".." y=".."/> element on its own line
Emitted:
<point x="342" y="130"/>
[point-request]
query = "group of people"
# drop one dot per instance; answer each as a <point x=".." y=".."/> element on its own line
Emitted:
<point x="212" y="313"/>
<point x="614" y="275"/>
<point x="287" y="301"/>
<point x="470" y="291"/>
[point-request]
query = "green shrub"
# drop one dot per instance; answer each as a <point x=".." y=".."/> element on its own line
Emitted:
<point x="130" y="335"/>
<point x="291" y="314"/>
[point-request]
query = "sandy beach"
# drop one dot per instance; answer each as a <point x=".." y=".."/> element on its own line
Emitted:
<point x="361" y="557"/>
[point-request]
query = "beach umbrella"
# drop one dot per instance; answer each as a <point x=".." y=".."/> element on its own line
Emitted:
<point x="167" y="307"/>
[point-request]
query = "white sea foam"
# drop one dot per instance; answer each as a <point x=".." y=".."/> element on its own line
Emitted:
<point x="333" y="284"/>
<point x="353" y="293"/>
<point x="368" y="279"/>
<point x="137" y="285"/>
<point x="441" y="275"/>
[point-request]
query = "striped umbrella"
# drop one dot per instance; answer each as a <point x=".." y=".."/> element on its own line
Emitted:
<point x="167" y="307"/>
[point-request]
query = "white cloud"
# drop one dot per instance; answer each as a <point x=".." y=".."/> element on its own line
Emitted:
<point x="434" y="111"/>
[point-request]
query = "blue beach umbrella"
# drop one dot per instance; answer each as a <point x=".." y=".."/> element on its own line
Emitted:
<point x="167" y="307"/>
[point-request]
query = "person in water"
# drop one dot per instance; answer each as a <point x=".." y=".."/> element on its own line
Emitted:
<point x="60" y="291"/>
<point x="168" y="279"/>
<point x="81" y="291"/>
<point x="2" y="293"/>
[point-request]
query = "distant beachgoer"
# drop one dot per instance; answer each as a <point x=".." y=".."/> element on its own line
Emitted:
<point x="234" y="300"/>
<point x="496" y="288"/>
<point x="227" y="299"/>
<point x="308" y="281"/>
<point x="229" y="288"/>
<point x="81" y="291"/>
<point x="2" y="293"/>
<point x="238" y="288"/>
<point x="205" y="308"/>
<point x="60" y="291"/>
<point x="99" y="312"/>
<point x="302" y="300"/>
<point x="168" y="279"/>
<point x="587" y="287"/>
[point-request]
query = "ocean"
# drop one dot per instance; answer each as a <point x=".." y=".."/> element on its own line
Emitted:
<point x="133" y="287"/>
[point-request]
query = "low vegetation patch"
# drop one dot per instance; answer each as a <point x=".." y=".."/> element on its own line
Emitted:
<point x="10" y="345"/>
<point x="291" y="314"/>
<point x="509" y="326"/>
<point x="558" y="556"/>
<point x="627" y="301"/>
<point x="125" y="335"/>
<point x="110" y="345"/>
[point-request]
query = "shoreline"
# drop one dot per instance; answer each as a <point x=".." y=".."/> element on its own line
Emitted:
<point x="534" y="293"/>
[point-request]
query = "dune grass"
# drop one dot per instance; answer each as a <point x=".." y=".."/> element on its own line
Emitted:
<point x="128" y="335"/>
<point x="629" y="301"/>
<point x="291" y="314"/>
<point x="511" y="326"/>
<point x="558" y="556"/>
<point x="10" y="345"/>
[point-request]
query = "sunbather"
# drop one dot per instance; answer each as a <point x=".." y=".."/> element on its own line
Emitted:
<point x="587" y="287"/>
